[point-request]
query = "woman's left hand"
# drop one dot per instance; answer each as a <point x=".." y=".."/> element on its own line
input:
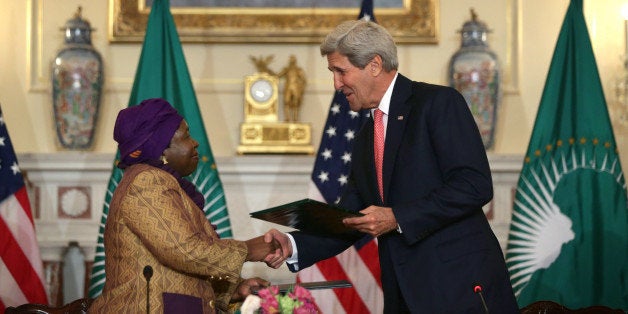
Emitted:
<point x="245" y="288"/>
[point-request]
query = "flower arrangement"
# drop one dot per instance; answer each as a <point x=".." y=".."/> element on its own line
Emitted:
<point x="270" y="301"/>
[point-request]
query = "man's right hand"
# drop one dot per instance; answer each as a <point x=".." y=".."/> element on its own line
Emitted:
<point x="276" y="236"/>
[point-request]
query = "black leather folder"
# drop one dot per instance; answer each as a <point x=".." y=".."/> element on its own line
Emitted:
<point x="310" y="216"/>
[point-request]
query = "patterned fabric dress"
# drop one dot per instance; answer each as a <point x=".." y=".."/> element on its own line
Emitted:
<point x="153" y="222"/>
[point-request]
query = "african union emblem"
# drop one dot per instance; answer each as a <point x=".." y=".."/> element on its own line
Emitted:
<point x="565" y="217"/>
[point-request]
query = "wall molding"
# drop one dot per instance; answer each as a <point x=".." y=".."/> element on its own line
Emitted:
<point x="250" y="182"/>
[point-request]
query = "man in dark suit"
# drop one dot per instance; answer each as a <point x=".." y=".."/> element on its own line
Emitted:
<point x="435" y="244"/>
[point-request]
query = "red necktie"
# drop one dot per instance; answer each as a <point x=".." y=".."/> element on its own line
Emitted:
<point x="378" y="145"/>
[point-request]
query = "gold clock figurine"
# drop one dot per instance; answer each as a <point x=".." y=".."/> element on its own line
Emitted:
<point x="260" y="97"/>
<point x="262" y="132"/>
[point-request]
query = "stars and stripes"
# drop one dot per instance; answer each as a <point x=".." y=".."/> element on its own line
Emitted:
<point x="333" y="161"/>
<point x="21" y="271"/>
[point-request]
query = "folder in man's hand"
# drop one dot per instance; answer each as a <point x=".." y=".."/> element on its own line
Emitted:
<point x="310" y="216"/>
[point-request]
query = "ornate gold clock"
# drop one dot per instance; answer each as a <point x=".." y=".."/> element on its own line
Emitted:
<point x="262" y="132"/>
<point x="261" y="97"/>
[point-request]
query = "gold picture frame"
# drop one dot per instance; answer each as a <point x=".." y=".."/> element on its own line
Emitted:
<point x="415" y="22"/>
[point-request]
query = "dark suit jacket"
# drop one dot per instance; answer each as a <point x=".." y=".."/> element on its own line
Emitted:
<point x="436" y="180"/>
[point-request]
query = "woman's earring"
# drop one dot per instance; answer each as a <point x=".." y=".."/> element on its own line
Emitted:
<point x="164" y="160"/>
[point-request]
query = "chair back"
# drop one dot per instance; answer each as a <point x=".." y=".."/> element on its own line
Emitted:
<point x="550" y="307"/>
<point x="79" y="306"/>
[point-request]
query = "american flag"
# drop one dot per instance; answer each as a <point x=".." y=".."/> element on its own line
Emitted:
<point x="358" y="264"/>
<point x="21" y="271"/>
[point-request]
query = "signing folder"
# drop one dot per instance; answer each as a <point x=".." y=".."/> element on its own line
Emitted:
<point x="310" y="216"/>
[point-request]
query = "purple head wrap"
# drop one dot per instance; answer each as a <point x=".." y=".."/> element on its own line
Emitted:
<point x="144" y="131"/>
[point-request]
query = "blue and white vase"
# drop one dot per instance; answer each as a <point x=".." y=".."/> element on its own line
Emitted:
<point x="77" y="80"/>
<point x="474" y="72"/>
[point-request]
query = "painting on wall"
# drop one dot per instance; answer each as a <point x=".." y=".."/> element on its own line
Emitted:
<point x="281" y="21"/>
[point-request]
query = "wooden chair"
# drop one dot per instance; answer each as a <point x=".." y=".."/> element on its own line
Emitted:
<point x="79" y="306"/>
<point x="550" y="307"/>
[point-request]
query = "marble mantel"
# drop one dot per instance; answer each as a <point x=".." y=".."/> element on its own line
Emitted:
<point x="67" y="191"/>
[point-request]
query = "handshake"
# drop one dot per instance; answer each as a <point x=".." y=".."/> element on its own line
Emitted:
<point x="273" y="248"/>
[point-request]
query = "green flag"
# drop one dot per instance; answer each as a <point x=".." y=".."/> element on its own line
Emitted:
<point x="568" y="239"/>
<point x="163" y="73"/>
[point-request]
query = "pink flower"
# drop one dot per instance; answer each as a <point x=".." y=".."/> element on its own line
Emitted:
<point x="269" y="302"/>
<point x="298" y="301"/>
<point x="301" y="294"/>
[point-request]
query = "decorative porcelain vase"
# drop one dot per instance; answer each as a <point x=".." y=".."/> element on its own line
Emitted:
<point x="474" y="72"/>
<point x="77" y="80"/>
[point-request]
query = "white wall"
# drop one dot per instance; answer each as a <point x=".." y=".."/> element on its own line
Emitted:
<point x="251" y="183"/>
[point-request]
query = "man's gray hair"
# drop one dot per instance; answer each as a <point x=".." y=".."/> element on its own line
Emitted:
<point x="360" y="41"/>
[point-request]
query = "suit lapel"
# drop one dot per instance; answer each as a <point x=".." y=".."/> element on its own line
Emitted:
<point x="397" y="117"/>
